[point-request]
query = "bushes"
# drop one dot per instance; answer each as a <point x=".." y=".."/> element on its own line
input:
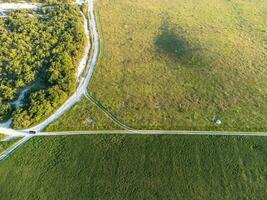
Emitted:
<point x="5" y="111"/>
<point x="39" y="47"/>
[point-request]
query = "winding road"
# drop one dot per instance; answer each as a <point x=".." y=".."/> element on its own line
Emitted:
<point x="83" y="81"/>
<point x="107" y="113"/>
<point x="82" y="91"/>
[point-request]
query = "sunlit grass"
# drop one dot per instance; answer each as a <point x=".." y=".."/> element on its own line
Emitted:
<point x="6" y="144"/>
<point x="181" y="64"/>
<point x="83" y="116"/>
<point x="2" y="136"/>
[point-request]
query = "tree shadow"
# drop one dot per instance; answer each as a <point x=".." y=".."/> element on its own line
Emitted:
<point x="171" y="42"/>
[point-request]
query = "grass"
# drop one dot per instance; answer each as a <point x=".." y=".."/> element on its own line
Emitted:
<point x="2" y="136"/>
<point x="174" y="65"/>
<point x="83" y="116"/>
<point x="163" y="65"/>
<point x="136" y="167"/>
<point x="6" y="144"/>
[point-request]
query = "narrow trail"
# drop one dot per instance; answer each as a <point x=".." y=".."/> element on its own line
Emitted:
<point x="82" y="91"/>
<point x="16" y="104"/>
<point x="83" y="82"/>
<point x="84" y="60"/>
<point x="109" y="114"/>
<point x="152" y="132"/>
<point x="11" y="149"/>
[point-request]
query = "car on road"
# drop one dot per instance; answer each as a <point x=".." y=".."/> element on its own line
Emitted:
<point x="32" y="132"/>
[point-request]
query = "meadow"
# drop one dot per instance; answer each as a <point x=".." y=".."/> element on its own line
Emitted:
<point x="2" y="136"/>
<point x="81" y="117"/>
<point x="182" y="65"/>
<point x="6" y="144"/>
<point x="136" y="167"/>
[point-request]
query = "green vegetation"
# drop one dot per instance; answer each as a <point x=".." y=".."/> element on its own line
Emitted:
<point x="6" y="144"/>
<point x="41" y="1"/>
<point x="39" y="49"/>
<point x="136" y="167"/>
<point x="174" y="65"/>
<point x="83" y="116"/>
<point x="2" y="136"/>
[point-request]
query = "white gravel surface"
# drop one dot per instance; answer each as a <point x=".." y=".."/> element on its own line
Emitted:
<point x="17" y="6"/>
<point x="83" y="82"/>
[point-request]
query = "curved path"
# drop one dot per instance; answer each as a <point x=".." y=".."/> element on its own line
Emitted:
<point x="80" y="91"/>
<point x="83" y="82"/>
<point x="109" y="114"/>
<point x="82" y="87"/>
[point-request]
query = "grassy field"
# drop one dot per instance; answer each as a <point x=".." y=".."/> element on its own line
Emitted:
<point x="6" y="144"/>
<point x="136" y="167"/>
<point x="2" y="136"/>
<point x="176" y="64"/>
<point x="83" y="116"/>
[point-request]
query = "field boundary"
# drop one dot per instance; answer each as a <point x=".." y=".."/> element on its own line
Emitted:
<point x="153" y="132"/>
<point x="5" y="154"/>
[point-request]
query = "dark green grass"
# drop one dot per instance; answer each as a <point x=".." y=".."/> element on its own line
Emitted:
<point x="137" y="167"/>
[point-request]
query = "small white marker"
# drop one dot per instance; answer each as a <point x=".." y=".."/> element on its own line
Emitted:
<point x="218" y="122"/>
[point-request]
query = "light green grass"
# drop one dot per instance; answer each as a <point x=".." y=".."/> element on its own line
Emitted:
<point x="6" y="144"/>
<point x="2" y="136"/>
<point x="83" y="116"/>
<point x="180" y="64"/>
<point x="136" y="167"/>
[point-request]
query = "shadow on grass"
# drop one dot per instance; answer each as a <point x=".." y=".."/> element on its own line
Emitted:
<point x="171" y="43"/>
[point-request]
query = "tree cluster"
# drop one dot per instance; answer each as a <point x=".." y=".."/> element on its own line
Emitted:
<point x="39" y="49"/>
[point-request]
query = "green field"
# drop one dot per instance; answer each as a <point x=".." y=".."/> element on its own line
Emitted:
<point x="87" y="116"/>
<point x="6" y="144"/>
<point x="164" y="64"/>
<point x="137" y="167"/>
<point x="177" y="64"/>
<point x="2" y="136"/>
